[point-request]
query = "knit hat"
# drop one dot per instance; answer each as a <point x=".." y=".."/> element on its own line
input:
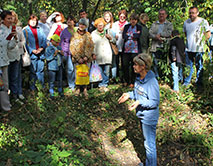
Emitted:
<point x="56" y="38"/>
<point x="84" y="22"/>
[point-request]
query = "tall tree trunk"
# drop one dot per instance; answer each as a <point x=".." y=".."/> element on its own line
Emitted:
<point x="30" y="6"/>
<point x="85" y="5"/>
<point x="96" y="7"/>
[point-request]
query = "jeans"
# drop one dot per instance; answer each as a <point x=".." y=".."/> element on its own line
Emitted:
<point x="198" y="58"/>
<point x="52" y="78"/>
<point x="114" y="66"/>
<point x="177" y="75"/>
<point x="20" y="78"/>
<point x="117" y="61"/>
<point x="105" y="75"/>
<point x="13" y="76"/>
<point x="127" y="61"/>
<point x="149" y="134"/>
<point x="210" y="53"/>
<point x="36" y="73"/>
<point x="70" y="70"/>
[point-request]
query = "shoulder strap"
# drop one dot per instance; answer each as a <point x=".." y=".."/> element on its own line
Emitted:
<point x="26" y="36"/>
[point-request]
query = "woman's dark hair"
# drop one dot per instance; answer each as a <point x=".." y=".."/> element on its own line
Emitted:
<point x="71" y="17"/>
<point x="134" y="16"/>
<point x="4" y="14"/>
<point x="32" y="17"/>
<point x="175" y="33"/>
<point x="122" y="12"/>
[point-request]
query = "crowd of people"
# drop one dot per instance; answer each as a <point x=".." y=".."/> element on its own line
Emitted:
<point x="117" y="47"/>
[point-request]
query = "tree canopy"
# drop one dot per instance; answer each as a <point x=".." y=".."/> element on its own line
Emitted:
<point x="177" y="10"/>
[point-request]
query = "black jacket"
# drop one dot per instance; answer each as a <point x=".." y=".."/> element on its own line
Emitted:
<point x="135" y="35"/>
<point x="177" y="50"/>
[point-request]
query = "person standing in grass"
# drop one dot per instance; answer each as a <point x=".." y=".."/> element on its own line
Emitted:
<point x="131" y="48"/>
<point x="102" y="52"/>
<point x="53" y="55"/>
<point x="108" y="18"/>
<point x="35" y="44"/>
<point x="176" y="57"/>
<point x="147" y="97"/>
<point x="66" y="35"/>
<point x="8" y="41"/>
<point x="197" y="31"/>
<point x="81" y="48"/>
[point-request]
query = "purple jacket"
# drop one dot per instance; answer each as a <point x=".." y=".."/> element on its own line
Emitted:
<point x="65" y="42"/>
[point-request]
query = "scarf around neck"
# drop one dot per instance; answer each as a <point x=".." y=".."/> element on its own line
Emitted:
<point x="121" y="24"/>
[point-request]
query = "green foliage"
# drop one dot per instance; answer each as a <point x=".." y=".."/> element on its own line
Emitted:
<point x="69" y="131"/>
<point x="8" y="135"/>
<point x="177" y="10"/>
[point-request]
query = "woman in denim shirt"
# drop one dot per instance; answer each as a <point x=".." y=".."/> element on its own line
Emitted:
<point x="35" y="44"/>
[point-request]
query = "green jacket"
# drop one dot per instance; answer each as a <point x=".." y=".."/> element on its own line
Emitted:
<point x="144" y="38"/>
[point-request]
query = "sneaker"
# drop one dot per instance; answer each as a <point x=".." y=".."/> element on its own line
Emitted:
<point x="21" y="97"/>
<point x="71" y="90"/>
<point x="19" y="101"/>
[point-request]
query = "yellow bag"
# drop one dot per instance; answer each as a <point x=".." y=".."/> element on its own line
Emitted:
<point x="82" y="74"/>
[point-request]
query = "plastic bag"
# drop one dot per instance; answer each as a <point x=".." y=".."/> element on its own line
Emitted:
<point x="82" y="74"/>
<point x="95" y="72"/>
<point x="26" y="58"/>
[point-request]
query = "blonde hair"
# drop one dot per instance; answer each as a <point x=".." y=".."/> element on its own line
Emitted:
<point x="144" y="16"/>
<point x="98" y="21"/>
<point x="16" y="17"/>
<point x="111" y="17"/>
<point x="143" y="59"/>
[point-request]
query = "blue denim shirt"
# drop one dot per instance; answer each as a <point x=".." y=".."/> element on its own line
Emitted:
<point x="31" y="43"/>
<point x="53" y="62"/>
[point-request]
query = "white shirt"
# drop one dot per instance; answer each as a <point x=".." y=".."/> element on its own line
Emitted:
<point x="45" y="27"/>
<point x="5" y="45"/>
<point x="118" y="33"/>
<point x="195" y="39"/>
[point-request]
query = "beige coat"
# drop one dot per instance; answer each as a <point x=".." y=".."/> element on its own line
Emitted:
<point x="102" y="48"/>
